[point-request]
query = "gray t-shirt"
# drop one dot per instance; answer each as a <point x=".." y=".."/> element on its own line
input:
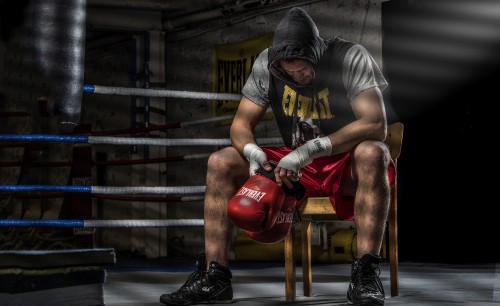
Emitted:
<point x="361" y="73"/>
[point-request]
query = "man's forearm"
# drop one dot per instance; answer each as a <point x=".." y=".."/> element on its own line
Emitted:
<point x="351" y="135"/>
<point x="240" y="137"/>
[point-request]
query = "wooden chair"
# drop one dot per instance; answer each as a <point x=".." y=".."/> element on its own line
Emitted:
<point x="321" y="207"/>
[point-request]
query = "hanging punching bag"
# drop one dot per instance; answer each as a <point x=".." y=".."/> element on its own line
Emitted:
<point x="59" y="52"/>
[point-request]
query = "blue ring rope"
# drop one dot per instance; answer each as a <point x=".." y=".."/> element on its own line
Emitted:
<point x="45" y="138"/>
<point x="45" y="188"/>
<point x="42" y="223"/>
<point x="88" y="88"/>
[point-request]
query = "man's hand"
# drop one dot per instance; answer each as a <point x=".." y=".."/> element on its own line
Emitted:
<point x="289" y="166"/>
<point x="256" y="157"/>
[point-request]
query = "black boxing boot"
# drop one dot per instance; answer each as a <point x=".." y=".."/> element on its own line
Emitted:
<point x="212" y="286"/>
<point x="366" y="287"/>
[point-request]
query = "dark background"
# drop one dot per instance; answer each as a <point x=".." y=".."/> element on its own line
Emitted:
<point x="442" y="60"/>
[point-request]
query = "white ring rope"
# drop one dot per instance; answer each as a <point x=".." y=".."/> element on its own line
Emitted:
<point x="148" y="190"/>
<point x="143" y="223"/>
<point x="159" y="93"/>
<point x="174" y="141"/>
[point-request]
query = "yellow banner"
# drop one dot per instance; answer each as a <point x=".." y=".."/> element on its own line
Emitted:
<point x="232" y="65"/>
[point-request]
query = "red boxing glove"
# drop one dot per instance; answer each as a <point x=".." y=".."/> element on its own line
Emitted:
<point x="282" y="225"/>
<point x="256" y="205"/>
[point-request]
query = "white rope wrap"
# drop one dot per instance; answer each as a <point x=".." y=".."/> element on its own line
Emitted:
<point x="164" y="93"/>
<point x="148" y="190"/>
<point x="173" y="142"/>
<point x="143" y="223"/>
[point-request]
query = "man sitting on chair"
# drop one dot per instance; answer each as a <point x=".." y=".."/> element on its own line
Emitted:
<point x="326" y="98"/>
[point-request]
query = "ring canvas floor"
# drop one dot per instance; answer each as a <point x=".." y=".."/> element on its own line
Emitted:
<point x="141" y="282"/>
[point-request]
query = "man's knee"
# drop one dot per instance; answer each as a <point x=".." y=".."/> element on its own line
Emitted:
<point x="373" y="153"/>
<point x="227" y="162"/>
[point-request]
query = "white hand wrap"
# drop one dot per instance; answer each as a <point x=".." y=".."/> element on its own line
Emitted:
<point x="304" y="155"/>
<point x="255" y="156"/>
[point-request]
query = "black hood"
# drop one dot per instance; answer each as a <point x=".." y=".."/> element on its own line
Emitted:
<point x="296" y="36"/>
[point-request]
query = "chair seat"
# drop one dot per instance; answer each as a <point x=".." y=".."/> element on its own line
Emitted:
<point x="317" y="206"/>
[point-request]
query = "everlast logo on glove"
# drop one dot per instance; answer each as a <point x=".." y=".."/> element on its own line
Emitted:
<point x="263" y="209"/>
<point x="254" y="194"/>
<point x="285" y="217"/>
<point x="281" y="227"/>
<point x="256" y="205"/>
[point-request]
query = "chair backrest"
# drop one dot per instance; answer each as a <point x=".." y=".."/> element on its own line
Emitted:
<point x="394" y="139"/>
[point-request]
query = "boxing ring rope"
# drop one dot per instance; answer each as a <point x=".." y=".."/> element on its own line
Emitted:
<point x="159" y="93"/>
<point x="107" y="191"/>
<point x="117" y="193"/>
<point x="101" y="223"/>
<point x="179" y="190"/>
<point x="130" y="140"/>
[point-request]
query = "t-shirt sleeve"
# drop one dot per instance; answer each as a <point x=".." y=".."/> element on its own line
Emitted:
<point x="361" y="72"/>
<point x="257" y="85"/>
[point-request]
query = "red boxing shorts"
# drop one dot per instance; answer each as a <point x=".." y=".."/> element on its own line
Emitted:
<point x="322" y="178"/>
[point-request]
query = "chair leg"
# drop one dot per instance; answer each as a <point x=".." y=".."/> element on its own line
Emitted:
<point x="393" y="242"/>
<point x="290" y="292"/>
<point x="305" y="229"/>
